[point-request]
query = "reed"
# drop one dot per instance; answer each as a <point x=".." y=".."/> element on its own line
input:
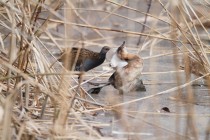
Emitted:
<point x="40" y="99"/>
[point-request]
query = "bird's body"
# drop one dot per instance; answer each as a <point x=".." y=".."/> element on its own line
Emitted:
<point x="81" y="59"/>
<point x="126" y="78"/>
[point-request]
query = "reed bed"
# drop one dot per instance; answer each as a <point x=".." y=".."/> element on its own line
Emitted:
<point x="42" y="100"/>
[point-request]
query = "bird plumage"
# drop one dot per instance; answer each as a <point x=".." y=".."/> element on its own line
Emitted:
<point x="126" y="78"/>
<point x="81" y="59"/>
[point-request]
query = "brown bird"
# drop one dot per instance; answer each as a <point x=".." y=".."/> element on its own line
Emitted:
<point x="127" y="78"/>
<point x="81" y="59"/>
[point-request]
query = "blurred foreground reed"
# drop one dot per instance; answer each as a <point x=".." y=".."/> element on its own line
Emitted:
<point x="40" y="99"/>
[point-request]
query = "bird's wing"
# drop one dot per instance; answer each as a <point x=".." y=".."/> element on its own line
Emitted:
<point x="88" y="64"/>
<point x="71" y="54"/>
<point x="115" y="80"/>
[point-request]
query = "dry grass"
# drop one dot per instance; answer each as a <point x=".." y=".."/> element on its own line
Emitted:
<point x="40" y="99"/>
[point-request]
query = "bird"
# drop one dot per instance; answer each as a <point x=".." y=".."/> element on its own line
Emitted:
<point x="127" y="73"/>
<point x="116" y="61"/>
<point x="128" y="68"/>
<point x="117" y="82"/>
<point x="81" y="59"/>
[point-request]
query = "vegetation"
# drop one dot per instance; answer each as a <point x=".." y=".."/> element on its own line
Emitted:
<point x="39" y="99"/>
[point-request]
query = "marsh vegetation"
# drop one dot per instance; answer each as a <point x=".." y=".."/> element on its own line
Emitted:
<point x="40" y="99"/>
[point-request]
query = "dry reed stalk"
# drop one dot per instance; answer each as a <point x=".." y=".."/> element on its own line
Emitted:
<point x="154" y="124"/>
<point x="181" y="8"/>
<point x="145" y="20"/>
<point x="31" y="74"/>
<point x="59" y="127"/>
<point x="115" y="30"/>
<point x="11" y="98"/>
<point x="133" y="9"/>
<point x="163" y="92"/>
<point x="113" y="11"/>
<point x="119" y="15"/>
<point x="174" y="34"/>
<point x="86" y="22"/>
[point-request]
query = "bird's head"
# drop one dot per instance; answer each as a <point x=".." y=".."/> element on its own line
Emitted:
<point x="121" y="47"/>
<point x="122" y="51"/>
<point x="105" y="49"/>
<point x="117" y="60"/>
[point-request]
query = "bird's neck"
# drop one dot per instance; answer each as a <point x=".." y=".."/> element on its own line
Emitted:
<point x="102" y="55"/>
